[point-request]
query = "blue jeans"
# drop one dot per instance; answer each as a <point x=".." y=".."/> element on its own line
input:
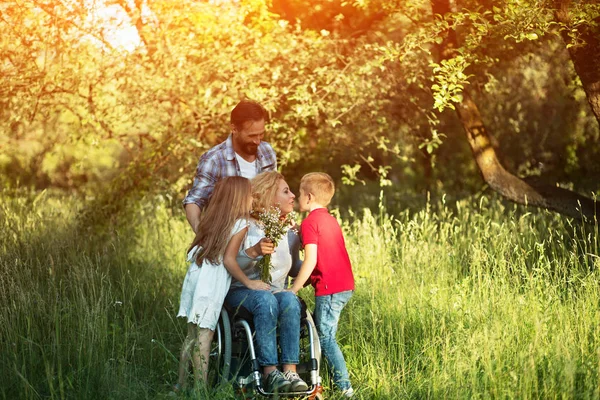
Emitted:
<point x="270" y="311"/>
<point x="327" y="315"/>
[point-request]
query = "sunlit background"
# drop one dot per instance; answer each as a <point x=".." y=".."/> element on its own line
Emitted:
<point x="114" y="23"/>
<point x="463" y="137"/>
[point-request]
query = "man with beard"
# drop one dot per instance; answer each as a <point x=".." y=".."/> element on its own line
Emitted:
<point x="242" y="154"/>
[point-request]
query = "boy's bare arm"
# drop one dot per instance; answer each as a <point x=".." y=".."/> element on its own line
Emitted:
<point x="310" y="261"/>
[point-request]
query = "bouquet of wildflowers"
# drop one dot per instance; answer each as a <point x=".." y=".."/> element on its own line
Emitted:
<point x="275" y="227"/>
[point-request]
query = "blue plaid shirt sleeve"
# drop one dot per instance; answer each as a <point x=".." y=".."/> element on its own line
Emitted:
<point x="207" y="174"/>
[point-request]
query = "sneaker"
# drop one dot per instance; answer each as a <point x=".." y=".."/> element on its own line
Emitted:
<point x="348" y="393"/>
<point x="298" y="385"/>
<point x="276" y="382"/>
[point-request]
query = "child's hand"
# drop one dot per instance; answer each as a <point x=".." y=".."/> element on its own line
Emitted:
<point x="264" y="247"/>
<point x="294" y="289"/>
<point x="258" y="285"/>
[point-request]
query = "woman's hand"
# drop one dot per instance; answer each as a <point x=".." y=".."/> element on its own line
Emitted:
<point x="258" y="285"/>
<point x="264" y="247"/>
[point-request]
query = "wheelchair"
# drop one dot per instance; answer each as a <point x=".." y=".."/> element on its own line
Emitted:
<point x="233" y="356"/>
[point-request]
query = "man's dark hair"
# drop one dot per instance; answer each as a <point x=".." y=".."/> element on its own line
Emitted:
<point x="247" y="110"/>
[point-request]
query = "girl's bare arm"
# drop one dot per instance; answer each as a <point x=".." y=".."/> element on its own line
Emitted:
<point x="230" y="262"/>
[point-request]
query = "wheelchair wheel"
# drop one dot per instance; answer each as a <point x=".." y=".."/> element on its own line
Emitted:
<point x="310" y="358"/>
<point x="219" y="362"/>
<point x="317" y="343"/>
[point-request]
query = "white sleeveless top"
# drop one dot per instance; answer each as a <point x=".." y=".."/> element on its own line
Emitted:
<point x="285" y="260"/>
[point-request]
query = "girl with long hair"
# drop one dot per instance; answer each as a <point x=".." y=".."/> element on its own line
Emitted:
<point x="212" y="255"/>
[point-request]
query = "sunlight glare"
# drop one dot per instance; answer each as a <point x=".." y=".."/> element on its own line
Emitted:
<point x="114" y="23"/>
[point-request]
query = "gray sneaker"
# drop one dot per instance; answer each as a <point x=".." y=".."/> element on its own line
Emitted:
<point x="275" y="382"/>
<point x="298" y="385"/>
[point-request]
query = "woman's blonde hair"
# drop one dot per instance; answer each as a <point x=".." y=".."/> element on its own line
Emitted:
<point x="228" y="203"/>
<point x="264" y="189"/>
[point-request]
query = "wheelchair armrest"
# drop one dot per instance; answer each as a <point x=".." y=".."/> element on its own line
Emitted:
<point x="302" y="308"/>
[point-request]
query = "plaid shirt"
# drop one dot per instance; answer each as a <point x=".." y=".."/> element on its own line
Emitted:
<point x="220" y="162"/>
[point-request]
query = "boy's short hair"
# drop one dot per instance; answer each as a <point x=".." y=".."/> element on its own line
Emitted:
<point x="320" y="185"/>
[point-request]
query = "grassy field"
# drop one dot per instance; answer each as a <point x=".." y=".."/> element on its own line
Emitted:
<point x="474" y="299"/>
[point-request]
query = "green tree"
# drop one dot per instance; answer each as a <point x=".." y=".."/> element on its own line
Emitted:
<point x="357" y="88"/>
<point x="463" y="42"/>
<point x="452" y="64"/>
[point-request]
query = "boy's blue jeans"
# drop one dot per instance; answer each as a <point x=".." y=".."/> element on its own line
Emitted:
<point x="327" y="315"/>
<point x="271" y="311"/>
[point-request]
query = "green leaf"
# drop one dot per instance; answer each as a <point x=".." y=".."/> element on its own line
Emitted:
<point x="532" y="36"/>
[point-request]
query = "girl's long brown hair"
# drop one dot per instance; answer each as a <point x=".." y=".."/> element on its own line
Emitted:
<point x="229" y="202"/>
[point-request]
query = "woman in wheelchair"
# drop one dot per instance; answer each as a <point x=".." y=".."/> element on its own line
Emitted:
<point x="272" y="309"/>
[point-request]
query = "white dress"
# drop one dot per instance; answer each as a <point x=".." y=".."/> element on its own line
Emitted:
<point x="204" y="288"/>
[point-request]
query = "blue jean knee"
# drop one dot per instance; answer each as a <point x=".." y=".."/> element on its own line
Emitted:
<point x="265" y="311"/>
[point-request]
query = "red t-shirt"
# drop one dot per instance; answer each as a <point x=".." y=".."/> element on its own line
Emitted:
<point x="333" y="272"/>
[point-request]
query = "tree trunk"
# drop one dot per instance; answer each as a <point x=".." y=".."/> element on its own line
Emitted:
<point x="585" y="55"/>
<point x="494" y="174"/>
<point x="508" y="185"/>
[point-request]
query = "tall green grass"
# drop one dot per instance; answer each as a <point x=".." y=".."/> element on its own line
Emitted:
<point x="473" y="299"/>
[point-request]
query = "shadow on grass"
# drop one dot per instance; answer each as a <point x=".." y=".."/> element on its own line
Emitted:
<point x="83" y="315"/>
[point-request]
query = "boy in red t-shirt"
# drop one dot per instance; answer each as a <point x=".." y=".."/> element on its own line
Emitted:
<point x="327" y="264"/>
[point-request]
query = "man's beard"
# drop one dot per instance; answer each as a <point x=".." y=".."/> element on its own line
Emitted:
<point x="252" y="149"/>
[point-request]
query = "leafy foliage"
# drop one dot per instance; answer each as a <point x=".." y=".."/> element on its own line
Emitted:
<point x="350" y="84"/>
